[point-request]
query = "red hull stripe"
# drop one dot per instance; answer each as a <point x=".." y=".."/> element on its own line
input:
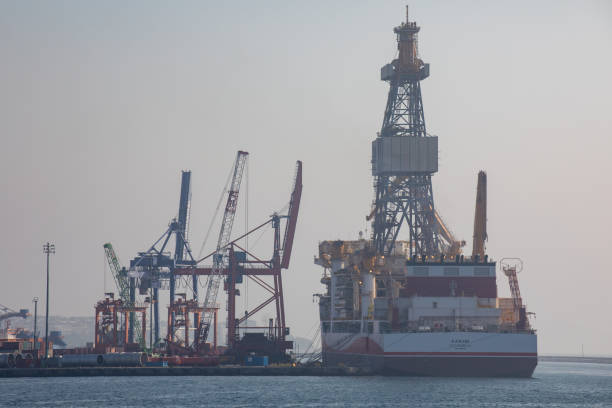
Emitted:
<point x="458" y="353"/>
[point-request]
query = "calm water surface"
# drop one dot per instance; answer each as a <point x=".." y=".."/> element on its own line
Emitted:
<point x="553" y="385"/>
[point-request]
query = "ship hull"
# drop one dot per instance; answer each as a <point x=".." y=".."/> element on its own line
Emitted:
<point x="435" y="354"/>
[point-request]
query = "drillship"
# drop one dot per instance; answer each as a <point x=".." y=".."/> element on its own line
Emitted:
<point x="418" y="306"/>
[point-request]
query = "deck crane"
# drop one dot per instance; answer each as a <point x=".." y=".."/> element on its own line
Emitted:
<point x="511" y="267"/>
<point x="220" y="256"/>
<point x="120" y="275"/>
<point x="480" y="217"/>
<point x="451" y="246"/>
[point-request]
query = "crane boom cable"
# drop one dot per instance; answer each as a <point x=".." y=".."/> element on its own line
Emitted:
<point x="212" y="221"/>
<point x="220" y="256"/>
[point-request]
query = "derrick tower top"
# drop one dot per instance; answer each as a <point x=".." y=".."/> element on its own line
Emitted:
<point x="408" y="65"/>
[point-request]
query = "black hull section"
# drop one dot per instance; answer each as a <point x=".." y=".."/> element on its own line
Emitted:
<point x="436" y="366"/>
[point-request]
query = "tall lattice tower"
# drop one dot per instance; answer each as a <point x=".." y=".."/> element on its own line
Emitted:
<point x="404" y="156"/>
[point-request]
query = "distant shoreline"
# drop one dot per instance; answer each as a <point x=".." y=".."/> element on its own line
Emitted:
<point x="576" y="359"/>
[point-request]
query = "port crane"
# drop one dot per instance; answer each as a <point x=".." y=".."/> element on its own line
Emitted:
<point x="157" y="267"/>
<point x="243" y="263"/>
<point x="220" y="258"/>
<point x="7" y="313"/>
<point x="154" y="268"/>
<point x="124" y="284"/>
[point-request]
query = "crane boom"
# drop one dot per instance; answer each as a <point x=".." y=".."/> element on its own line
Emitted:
<point x="511" y="267"/>
<point x="451" y="245"/>
<point x="183" y="216"/>
<point x="119" y="275"/>
<point x="480" y="217"/>
<point x="7" y="313"/>
<point x="220" y="256"/>
<point x="294" y="208"/>
<point x="517" y="300"/>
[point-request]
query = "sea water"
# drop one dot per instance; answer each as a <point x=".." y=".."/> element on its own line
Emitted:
<point x="553" y="385"/>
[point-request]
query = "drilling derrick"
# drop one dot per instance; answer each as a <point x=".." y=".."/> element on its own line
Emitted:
<point x="404" y="156"/>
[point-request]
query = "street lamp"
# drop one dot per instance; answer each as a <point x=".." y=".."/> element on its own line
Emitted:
<point x="34" y="336"/>
<point x="47" y="249"/>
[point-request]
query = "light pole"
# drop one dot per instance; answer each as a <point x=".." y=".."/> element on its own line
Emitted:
<point x="34" y="336"/>
<point x="47" y="249"/>
<point x="151" y="300"/>
<point x="148" y="300"/>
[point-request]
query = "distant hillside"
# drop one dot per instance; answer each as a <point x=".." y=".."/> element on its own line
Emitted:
<point x="77" y="331"/>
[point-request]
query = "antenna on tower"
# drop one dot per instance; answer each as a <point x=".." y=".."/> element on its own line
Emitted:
<point x="407" y="14"/>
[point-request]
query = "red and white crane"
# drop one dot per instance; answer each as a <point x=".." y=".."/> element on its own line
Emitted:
<point x="220" y="259"/>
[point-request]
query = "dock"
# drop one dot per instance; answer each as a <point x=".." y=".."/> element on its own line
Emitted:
<point x="181" y="371"/>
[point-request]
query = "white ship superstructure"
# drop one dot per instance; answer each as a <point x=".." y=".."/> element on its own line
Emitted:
<point x="420" y="317"/>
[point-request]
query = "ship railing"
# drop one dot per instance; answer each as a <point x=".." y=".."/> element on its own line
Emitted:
<point x="348" y="326"/>
<point x="484" y="329"/>
<point x="385" y="326"/>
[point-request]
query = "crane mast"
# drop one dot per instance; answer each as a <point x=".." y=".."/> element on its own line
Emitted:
<point x="183" y="217"/>
<point x="220" y="256"/>
<point x="180" y="231"/>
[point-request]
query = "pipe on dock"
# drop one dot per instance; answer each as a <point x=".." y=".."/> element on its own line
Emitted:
<point x="7" y="360"/>
<point x="28" y="360"/>
<point x="81" y="360"/>
<point x="53" y="362"/>
<point x="23" y="360"/>
<point x="124" y="359"/>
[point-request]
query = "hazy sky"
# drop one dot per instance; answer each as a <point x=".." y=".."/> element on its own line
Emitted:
<point x="104" y="103"/>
